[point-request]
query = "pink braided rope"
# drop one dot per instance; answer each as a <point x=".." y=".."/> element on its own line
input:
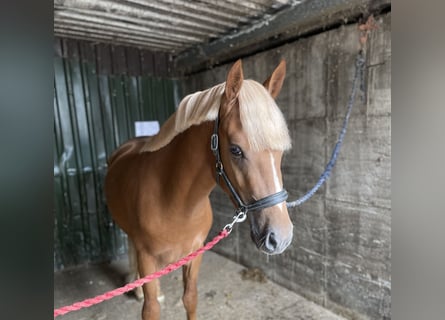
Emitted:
<point x="130" y="286"/>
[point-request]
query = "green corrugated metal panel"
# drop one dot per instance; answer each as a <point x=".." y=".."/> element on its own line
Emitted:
<point x="93" y="114"/>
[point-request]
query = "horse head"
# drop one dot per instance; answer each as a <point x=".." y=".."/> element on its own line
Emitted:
<point x="252" y="138"/>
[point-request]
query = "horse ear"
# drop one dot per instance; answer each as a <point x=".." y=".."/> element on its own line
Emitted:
<point x="274" y="83"/>
<point x="234" y="81"/>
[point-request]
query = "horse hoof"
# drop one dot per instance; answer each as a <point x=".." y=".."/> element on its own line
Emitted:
<point x="139" y="293"/>
<point x="161" y="298"/>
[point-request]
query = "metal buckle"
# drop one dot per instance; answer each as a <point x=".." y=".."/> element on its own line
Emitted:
<point x="214" y="143"/>
<point x="219" y="168"/>
<point x="241" y="216"/>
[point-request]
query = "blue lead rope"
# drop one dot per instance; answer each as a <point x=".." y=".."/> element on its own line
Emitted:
<point x="359" y="65"/>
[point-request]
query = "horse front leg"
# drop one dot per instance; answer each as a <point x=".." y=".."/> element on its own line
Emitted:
<point x="147" y="265"/>
<point x="190" y="277"/>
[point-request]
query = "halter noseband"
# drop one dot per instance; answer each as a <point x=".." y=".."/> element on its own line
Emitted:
<point x="262" y="203"/>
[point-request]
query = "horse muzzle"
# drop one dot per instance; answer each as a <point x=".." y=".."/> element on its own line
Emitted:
<point x="270" y="238"/>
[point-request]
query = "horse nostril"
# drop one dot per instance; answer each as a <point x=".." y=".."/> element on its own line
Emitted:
<point x="271" y="242"/>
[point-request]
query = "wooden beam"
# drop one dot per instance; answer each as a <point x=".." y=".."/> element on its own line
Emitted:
<point x="288" y="25"/>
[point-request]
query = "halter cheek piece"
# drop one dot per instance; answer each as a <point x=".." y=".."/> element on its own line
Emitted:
<point x="265" y="202"/>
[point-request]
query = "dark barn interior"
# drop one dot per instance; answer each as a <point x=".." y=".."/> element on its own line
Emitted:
<point x="118" y="62"/>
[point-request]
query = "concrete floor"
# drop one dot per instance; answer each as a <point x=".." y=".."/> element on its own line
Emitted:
<point x="226" y="291"/>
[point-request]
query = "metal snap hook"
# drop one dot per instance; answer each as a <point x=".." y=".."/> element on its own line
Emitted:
<point x="241" y="215"/>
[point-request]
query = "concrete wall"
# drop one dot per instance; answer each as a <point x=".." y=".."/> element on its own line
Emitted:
<point x="340" y="255"/>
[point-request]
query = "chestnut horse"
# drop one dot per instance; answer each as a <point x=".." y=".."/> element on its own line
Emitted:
<point x="158" y="187"/>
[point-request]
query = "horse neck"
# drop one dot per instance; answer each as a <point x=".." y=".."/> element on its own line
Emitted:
<point x="192" y="170"/>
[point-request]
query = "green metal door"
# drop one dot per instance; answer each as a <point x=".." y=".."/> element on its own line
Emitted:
<point x="93" y="114"/>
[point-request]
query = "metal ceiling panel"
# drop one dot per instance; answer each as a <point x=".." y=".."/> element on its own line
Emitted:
<point x="160" y="25"/>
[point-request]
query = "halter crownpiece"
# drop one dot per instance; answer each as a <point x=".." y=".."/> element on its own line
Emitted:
<point x="268" y="201"/>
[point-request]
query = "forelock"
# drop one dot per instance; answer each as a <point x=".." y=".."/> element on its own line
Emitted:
<point x="261" y="119"/>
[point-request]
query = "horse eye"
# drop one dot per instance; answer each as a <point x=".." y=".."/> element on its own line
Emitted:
<point x="236" y="151"/>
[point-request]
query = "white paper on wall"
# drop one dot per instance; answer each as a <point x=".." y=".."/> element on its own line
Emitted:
<point x="146" y="128"/>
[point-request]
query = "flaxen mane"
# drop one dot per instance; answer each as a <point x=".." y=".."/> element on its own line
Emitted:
<point x="260" y="117"/>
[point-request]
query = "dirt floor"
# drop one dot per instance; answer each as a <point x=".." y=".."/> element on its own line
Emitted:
<point x="226" y="291"/>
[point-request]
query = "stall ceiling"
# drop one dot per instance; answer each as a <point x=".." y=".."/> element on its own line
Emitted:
<point x="161" y="25"/>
